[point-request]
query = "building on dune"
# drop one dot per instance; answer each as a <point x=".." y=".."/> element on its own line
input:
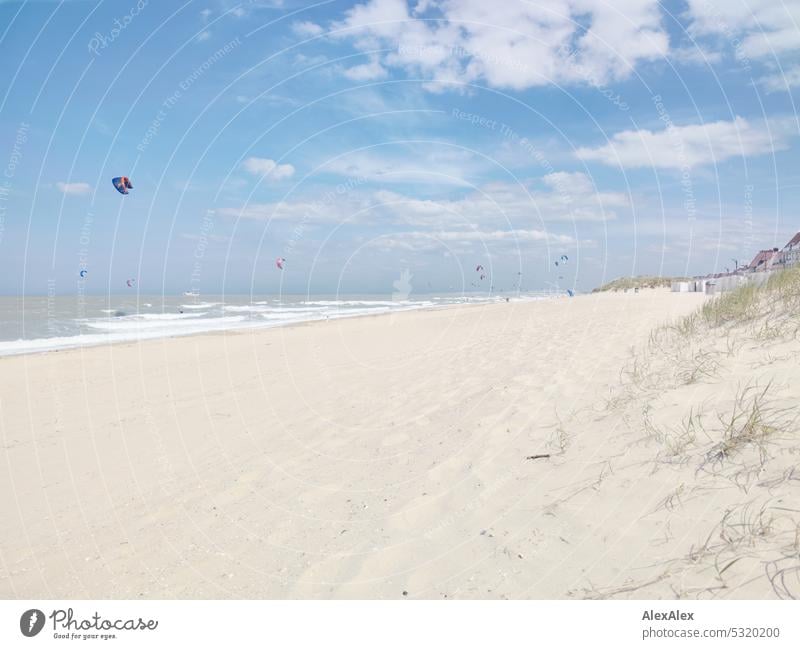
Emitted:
<point x="790" y="255"/>
<point x="763" y="261"/>
<point x="756" y="272"/>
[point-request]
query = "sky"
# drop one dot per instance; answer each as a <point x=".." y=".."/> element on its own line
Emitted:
<point x="368" y="141"/>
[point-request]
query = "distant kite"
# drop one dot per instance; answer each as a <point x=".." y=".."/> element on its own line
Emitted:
<point x="279" y="262"/>
<point x="130" y="283"/>
<point x="84" y="273"/>
<point x="478" y="268"/>
<point x="122" y="184"/>
<point x="570" y="292"/>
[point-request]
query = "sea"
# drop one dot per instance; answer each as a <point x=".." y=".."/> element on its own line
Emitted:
<point x="45" y="323"/>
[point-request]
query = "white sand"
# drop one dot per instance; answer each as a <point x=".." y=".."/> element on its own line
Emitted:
<point x="359" y="458"/>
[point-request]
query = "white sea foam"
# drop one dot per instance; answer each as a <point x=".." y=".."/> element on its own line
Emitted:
<point x="164" y="316"/>
<point x="126" y="324"/>
<point x="347" y="303"/>
<point x="168" y="325"/>
<point x="245" y="308"/>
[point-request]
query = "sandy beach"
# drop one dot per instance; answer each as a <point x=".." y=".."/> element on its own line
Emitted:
<point x="396" y="456"/>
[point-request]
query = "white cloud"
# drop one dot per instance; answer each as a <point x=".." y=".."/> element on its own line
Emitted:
<point x="785" y="79"/>
<point x="572" y="183"/>
<point x="411" y="165"/>
<point x="303" y="61"/>
<point x="513" y="45"/>
<point x="266" y="167"/>
<point x="328" y="207"/>
<point x="366" y="71"/>
<point x="74" y="189"/>
<point x="694" y="55"/>
<point x="462" y="240"/>
<point x="203" y="36"/>
<point x="679" y="147"/>
<point x="561" y="197"/>
<point x="307" y="29"/>
<point x="567" y="197"/>
<point x="753" y="29"/>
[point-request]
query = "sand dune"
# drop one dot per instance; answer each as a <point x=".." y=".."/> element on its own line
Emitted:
<point x="385" y="457"/>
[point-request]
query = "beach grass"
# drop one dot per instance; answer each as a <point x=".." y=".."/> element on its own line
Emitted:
<point x="639" y="281"/>
<point x="777" y="298"/>
<point x="713" y="391"/>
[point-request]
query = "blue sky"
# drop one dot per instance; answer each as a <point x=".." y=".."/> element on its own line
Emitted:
<point x="358" y="140"/>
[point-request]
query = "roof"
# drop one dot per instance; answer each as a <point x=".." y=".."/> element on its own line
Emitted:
<point x="795" y="241"/>
<point x="762" y="258"/>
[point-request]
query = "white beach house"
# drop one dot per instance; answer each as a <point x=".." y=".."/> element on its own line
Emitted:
<point x="790" y="255"/>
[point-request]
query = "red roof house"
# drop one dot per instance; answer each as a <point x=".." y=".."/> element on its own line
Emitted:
<point x="763" y="260"/>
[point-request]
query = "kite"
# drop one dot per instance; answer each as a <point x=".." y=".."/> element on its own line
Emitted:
<point x="122" y="184"/>
<point x="84" y="272"/>
<point x="570" y="292"/>
<point x="131" y="282"/>
<point x="279" y="262"/>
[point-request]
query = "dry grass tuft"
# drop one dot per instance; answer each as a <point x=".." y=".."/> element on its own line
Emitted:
<point x="675" y="440"/>
<point x="753" y="423"/>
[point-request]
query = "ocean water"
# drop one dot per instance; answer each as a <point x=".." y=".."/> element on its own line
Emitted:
<point x="41" y="323"/>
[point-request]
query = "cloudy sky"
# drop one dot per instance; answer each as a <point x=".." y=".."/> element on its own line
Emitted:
<point x="358" y="140"/>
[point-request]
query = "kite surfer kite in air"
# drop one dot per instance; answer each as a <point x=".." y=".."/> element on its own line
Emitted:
<point x="122" y="184"/>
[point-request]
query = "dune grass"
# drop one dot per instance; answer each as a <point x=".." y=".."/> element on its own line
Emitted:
<point x="776" y="300"/>
<point x="640" y="281"/>
<point x="735" y="307"/>
<point x="752" y="422"/>
<point x="691" y="349"/>
<point x="734" y="441"/>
